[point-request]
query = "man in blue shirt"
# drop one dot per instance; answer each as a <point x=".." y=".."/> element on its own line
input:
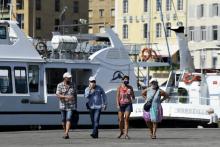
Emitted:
<point x="97" y="101"/>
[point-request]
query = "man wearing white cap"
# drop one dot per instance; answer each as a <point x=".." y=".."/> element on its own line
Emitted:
<point x="67" y="102"/>
<point x="97" y="101"/>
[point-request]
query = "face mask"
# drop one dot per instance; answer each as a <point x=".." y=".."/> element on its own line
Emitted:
<point x="68" y="82"/>
<point x="126" y="82"/>
<point x="154" y="86"/>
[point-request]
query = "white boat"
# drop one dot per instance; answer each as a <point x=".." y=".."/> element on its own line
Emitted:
<point x="28" y="80"/>
<point x="191" y="93"/>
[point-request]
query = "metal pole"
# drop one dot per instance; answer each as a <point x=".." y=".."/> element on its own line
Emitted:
<point x="2" y="8"/>
<point x="165" y="32"/>
<point x="10" y="13"/>
<point x="34" y="17"/>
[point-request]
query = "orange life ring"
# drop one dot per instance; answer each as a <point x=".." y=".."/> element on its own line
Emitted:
<point x="188" y="78"/>
<point x="148" y="53"/>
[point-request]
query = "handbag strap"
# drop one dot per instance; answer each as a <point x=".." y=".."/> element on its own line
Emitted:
<point x="153" y="95"/>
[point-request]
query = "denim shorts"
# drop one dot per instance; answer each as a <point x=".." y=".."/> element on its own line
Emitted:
<point x="66" y="115"/>
<point x="126" y="108"/>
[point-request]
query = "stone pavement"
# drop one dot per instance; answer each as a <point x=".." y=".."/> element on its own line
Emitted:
<point x="180" y="137"/>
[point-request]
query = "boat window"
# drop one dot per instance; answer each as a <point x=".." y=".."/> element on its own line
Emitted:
<point x="183" y="95"/>
<point x="80" y="79"/>
<point x="33" y="78"/>
<point x="141" y="100"/>
<point x="5" y="80"/>
<point x="3" y="32"/>
<point x="54" y="76"/>
<point x="20" y="80"/>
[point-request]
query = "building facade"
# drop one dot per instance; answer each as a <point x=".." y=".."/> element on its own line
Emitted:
<point x="101" y="14"/>
<point x="38" y="18"/>
<point x="204" y="33"/>
<point x="141" y="22"/>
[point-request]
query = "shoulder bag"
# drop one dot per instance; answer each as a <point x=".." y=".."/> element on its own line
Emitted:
<point x="148" y="104"/>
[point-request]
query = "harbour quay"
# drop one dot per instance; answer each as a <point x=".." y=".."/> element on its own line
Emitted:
<point x="166" y="137"/>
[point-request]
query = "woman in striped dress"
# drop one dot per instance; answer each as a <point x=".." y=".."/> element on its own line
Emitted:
<point x="155" y="114"/>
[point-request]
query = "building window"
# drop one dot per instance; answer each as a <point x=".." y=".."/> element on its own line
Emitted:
<point x="38" y="4"/>
<point x="20" y="80"/>
<point x="203" y="33"/>
<point x="113" y="12"/>
<point x="90" y="29"/>
<point x="101" y="29"/>
<point x="75" y="28"/>
<point x="179" y="4"/>
<point x="57" y="23"/>
<point x="158" y="30"/>
<point x="75" y="7"/>
<point x="145" y="5"/>
<point x="158" y="5"/>
<point x="215" y="32"/>
<point x="4" y="4"/>
<point x="101" y="12"/>
<point x="168" y="5"/>
<point x="168" y="31"/>
<point x="191" y="33"/>
<point x="5" y="80"/>
<point x="20" y="4"/>
<point x="38" y="23"/>
<point x="20" y="20"/>
<point x="215" y="9"/>
<point x="113" y="28"/>
<point x="125" y="6"/>
<point x="214" y="62"/>
<point x="200" y="10"/>
<point x="57" y="5"/>
<point x="90" y="13"/>
<point x="145" y="30"/>
<point x="125" y="31"/>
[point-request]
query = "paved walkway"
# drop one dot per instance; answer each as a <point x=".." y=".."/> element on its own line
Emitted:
<point x="139" y="138"/>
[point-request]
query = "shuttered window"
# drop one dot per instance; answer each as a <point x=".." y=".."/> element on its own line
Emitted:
<point x="203" y="33"/>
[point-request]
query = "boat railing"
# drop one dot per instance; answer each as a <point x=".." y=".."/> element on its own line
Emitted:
<point x="182" y="100"/>
<point x="81" y="52"/>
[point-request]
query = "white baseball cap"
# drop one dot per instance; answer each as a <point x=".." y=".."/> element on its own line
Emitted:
<point x="67" y="75"/>
<point x="91" y="78"/>
<point x="210" y="110"/>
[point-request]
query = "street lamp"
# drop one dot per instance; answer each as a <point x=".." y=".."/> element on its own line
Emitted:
<point x="62" y="16"/>
<point x="82" y="22"/>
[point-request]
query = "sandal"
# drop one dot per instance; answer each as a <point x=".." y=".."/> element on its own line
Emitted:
<point x="153" y="137"/>
<point x="127" y="137"/>
<point x="120" y="135"/>
<point x="66" y="137"/>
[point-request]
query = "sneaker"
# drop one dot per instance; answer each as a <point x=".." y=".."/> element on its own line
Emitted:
<point x="94" y="136"/>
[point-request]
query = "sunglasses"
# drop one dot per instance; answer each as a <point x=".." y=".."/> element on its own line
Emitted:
<point x="92" y="81"/>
